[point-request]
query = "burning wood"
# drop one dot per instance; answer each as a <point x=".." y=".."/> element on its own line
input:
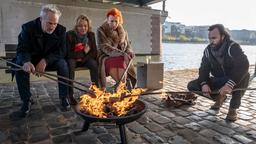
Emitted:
<point x="105" y="104"/>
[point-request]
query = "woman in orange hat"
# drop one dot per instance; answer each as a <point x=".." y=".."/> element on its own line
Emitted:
<point x="115" y="50"/>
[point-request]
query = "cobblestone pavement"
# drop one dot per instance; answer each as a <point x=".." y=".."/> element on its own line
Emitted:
<point x="196" y="124"/>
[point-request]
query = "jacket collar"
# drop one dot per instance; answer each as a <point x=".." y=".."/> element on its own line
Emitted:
<point x="39" y="32"/>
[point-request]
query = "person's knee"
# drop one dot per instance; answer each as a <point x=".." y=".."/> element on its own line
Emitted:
<point x="62" y="67"/>
<point x="192" y="85"/>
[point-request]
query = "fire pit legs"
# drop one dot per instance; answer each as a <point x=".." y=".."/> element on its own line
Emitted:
<point x="122" y="134"/>
<point x="86" y="126"/>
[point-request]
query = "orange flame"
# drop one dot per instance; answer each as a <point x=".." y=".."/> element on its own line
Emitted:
<point x="107" y="104"/>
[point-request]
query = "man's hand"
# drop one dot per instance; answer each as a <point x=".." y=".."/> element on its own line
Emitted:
<point x="225" y="90"/>
<point x="28" y="67"/>
<point x="40" y="67"/>
<point x="206" y="90"/>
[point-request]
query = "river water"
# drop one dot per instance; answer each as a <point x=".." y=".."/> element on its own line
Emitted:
<point x="186" y="56"/>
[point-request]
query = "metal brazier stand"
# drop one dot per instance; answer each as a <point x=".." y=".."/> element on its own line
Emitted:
<point x="140" y="109"/>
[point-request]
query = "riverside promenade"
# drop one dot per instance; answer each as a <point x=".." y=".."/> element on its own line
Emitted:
<point x="195" y="124"/>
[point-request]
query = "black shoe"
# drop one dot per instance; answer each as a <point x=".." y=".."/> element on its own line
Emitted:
<point x="65" y="104"/>
<point x="23" y="112"/>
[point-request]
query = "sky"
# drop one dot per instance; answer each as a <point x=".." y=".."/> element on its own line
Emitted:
<point x="233" y="14"/>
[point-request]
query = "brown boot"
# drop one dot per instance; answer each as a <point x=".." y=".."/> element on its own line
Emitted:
<point x="219" y="101"/>
<point x="72" y="100"/>
<point x="232" y="115"/>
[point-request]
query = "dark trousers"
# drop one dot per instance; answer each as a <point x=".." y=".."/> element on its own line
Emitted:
<point x="90" y="63"/>
<point x="216" y="83"/>
<point x="23" y="83"/>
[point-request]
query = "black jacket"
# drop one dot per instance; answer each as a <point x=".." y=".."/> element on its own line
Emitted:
<point x="72" y="40"/>
<point x="235" y="65"/>
<point x="34" y="44"/>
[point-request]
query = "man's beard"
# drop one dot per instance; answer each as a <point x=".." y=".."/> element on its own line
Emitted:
<point x="216" y="46"/>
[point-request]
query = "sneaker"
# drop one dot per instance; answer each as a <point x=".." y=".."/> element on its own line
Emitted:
<point x="65" y="104"/>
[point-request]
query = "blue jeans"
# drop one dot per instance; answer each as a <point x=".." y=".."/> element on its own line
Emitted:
<point x="216" y="83"/>
<point x="23" y="83"/>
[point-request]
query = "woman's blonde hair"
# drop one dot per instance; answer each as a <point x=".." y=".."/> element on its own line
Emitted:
<point x="83" y="17"/>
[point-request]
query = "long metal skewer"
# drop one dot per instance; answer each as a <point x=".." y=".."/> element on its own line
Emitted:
<point x="45" y="73"/>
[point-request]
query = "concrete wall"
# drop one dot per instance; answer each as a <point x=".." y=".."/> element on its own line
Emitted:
<point x="142" y="24"/>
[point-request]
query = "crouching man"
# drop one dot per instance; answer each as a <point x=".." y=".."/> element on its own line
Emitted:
<point x="224" y="67"/>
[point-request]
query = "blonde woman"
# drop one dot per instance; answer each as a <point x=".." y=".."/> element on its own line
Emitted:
<point x="81" y="51"/>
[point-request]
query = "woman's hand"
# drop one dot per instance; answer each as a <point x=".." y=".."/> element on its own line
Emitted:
<point x="127" y="58"/>
<point x="87" y="48"/>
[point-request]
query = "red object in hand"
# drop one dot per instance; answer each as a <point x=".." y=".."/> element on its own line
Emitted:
<point x="79" y="47"/>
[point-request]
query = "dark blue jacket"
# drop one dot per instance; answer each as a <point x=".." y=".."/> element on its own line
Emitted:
<point x="34" y="44"/>
<point x="235" y="65"/>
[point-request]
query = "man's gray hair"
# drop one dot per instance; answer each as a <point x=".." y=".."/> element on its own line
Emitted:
<point x="49" y="8"/>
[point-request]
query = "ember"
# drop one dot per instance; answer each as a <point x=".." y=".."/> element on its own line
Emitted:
<point x="106" y="105"/>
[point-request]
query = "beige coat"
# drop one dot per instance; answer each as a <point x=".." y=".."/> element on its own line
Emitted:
<point x="108" y="41"/>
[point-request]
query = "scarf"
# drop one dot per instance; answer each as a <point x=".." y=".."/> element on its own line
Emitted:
<point x="218" y="51"/>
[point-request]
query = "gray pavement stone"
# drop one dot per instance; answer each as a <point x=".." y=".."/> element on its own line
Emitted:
<point x="177" y="140"/>
<point x="242" y="139"/>
<point x="252" y="134"/>
<point x="134" y="138"/>
<point x="242" y="129"/>
<point x="181" y="112"/>
<point x="18" y="134"/>
<point x="242" y="122"/>
<point x="194" y="118"/>
<point x="200" y="113"/>
<point x="217" y="137"/>
<point x="181" y="120"/>
<point x="62" y="139"/>
<point x="137" y="128"/>
<point x="167" y="114"/>
<point x="153" y="138"/>
<point x="143" y="120"/>
<point x="161" y="119"/>
<point x="107" y="138"/>
<point x="59" y="131"/>
<point x="38" y="134"/>
<point x="99" y="130"/>
<point x="154" y="127"/>
<point x="212" y="118"/>
<point x="166" y="133"/>
<point x="217" y="127"/>
<point x="193" y="126"/>
<point x="191" y="136"/>
<point x="224" y="139"/>
<point x="86" y="138"/>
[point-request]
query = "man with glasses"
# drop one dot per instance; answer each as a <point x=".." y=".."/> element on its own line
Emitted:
<point x="41" y="45"/>
<point x="224" y="67"/>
